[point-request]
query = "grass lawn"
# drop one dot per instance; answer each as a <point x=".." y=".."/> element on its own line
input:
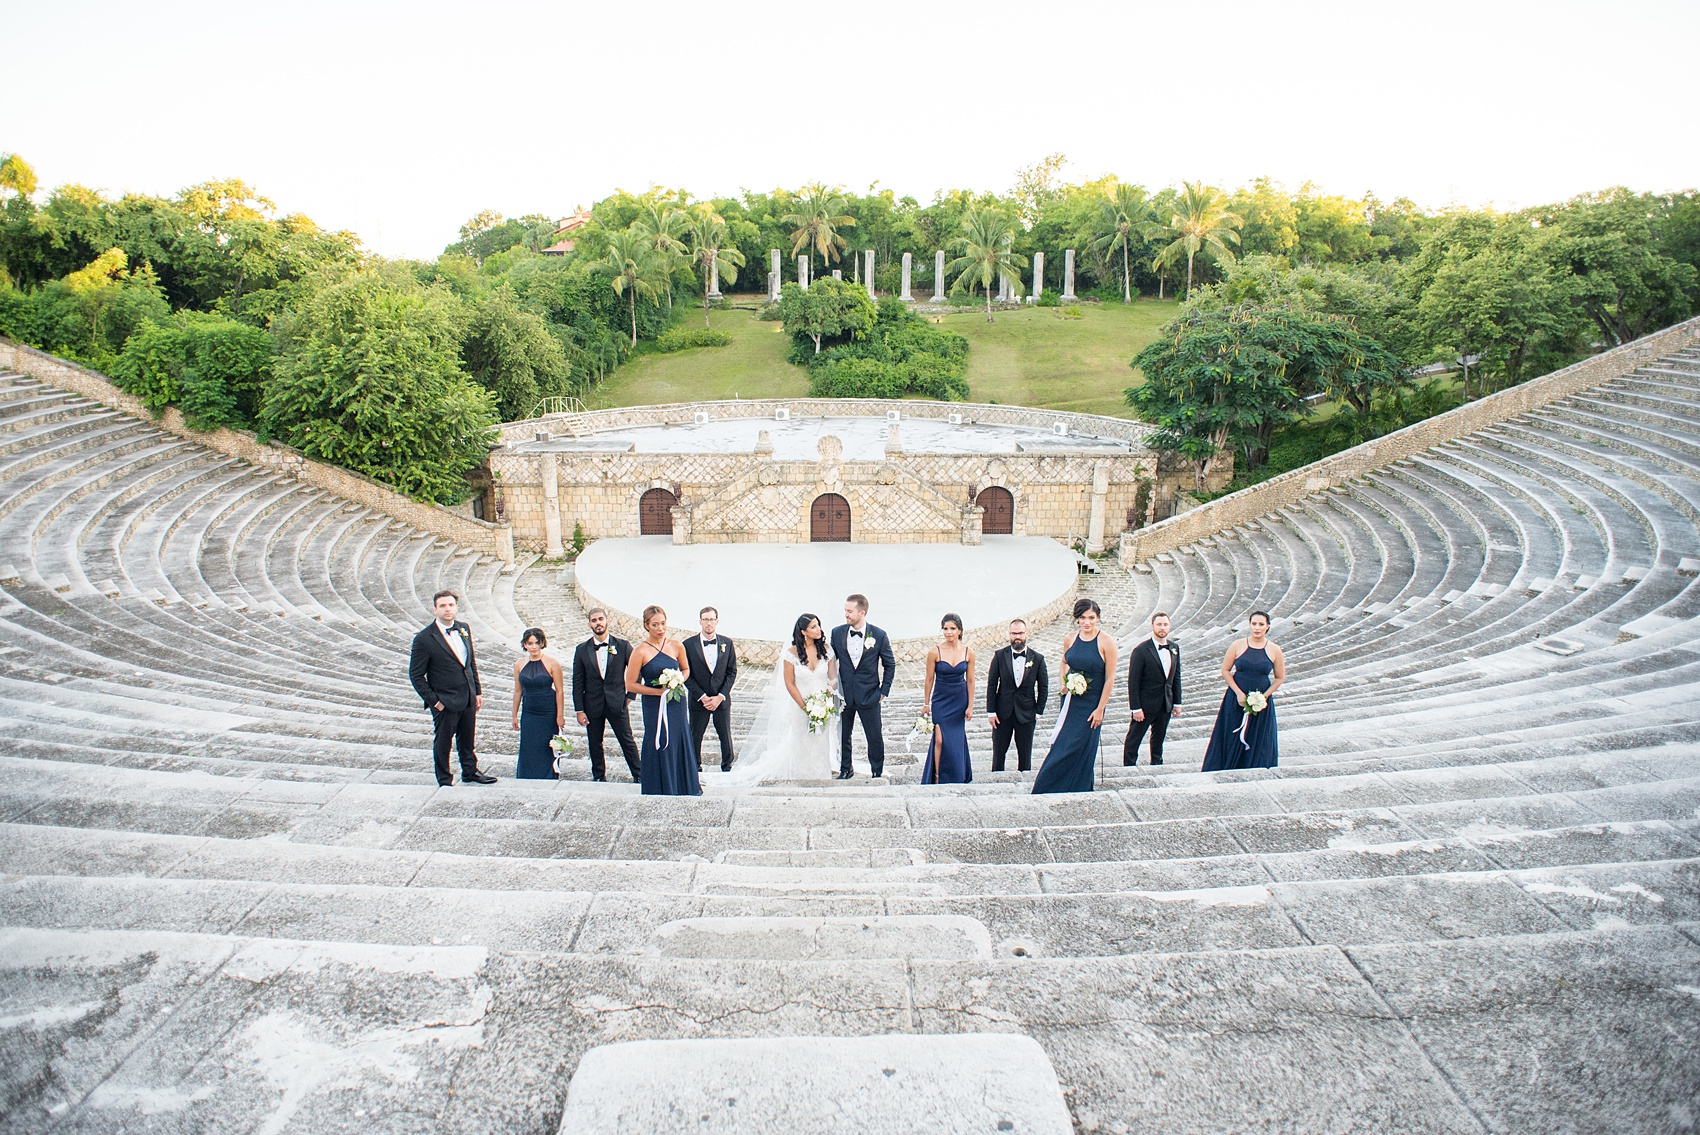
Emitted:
<point x="753" y="366"/>
<point x="1034" y="357"/>
<point x="1031" y="357"/>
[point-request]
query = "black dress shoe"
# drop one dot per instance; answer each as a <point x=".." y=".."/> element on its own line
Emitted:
<point x="445" y="784"/>
<point x="1156" y="760"/>
<point x="599" y="779"/>
<point x="476" y="778"/>
<point x="844" y="776"/>
<point x="725" y="768"/>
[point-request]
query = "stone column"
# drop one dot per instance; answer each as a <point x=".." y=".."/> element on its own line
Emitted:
<point x="905" y="296"/>
<point x="1003" y="287"/>
<point x="714" y="278"/>
<point x="803" y="271"/>
<point x="1068" y="275"/>
<point x="972" y="517"/>
<point x="1100" y="490"/>
<point x="938" y="277"/>
<point x="1038" y="277"/>
<point x="552" y="507"/>
<point x="773" y="275"/>
<point x="868" y="271"/>
<point x="838" y="273"/>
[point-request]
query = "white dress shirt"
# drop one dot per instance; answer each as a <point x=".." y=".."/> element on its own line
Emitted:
<point x="710" y="652"/>
<point x="601" y="655"/>
<point x="452" y="637"/>
<point x="854" y="642"/>
<point x="1164" y="654"/>
<point x="1018" y="663"/>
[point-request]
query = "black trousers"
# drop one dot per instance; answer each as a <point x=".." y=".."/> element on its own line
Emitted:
<point x="1158" y="724"/>
<point x="622" y="727"/>
<point x="722" y="719"/>
<point x="871" y="729"/>
<point x="1023" y="734"/>
<point x="456" y="728"/>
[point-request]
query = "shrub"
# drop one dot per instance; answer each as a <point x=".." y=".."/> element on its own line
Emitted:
<point x="1048" y="298"/>
<point x="857" y="378"/>
<point x="684" y="338"/>
<point x="216" y="368"/>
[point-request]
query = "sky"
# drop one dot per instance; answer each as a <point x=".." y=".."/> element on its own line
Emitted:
<point x="400" y="121"/>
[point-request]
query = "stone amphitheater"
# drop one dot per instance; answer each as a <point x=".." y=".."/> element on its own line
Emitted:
<point x="1467" y="901"/>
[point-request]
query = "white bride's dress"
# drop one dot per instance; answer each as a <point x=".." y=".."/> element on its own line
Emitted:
<point x="779" y="745"/>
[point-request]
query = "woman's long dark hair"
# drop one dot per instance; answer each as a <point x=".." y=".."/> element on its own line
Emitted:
<point x="799" y="643"/>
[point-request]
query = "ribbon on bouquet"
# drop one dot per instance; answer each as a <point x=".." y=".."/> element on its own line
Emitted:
<point x="1245" y="720"/>
<point x="1062" y="716"/>
<point x="661" y="712"/>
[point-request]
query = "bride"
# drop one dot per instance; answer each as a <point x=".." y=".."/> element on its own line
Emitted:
<point x="779" y="745"/>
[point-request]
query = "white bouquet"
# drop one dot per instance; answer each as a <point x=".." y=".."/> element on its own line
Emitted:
<point x="562" y="744"/>
<point x="923" y="724"/>
<point x="1256" y="702"/>
<point x="821" y="707"/>
<point x="1075" y="683"/>
<point x="673" y="682"/>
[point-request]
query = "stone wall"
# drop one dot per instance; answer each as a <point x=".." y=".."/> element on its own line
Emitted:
<point x="481" y="536"/>
<point x="751" y="497"/>
<point x="1289" y="488"/>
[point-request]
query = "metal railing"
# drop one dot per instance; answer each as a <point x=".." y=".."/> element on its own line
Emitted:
<point x="558" y="405"/>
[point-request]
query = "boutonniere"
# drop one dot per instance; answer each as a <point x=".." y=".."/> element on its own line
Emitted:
<point x="463" y="633"/>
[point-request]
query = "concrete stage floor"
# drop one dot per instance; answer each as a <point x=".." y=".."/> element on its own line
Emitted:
<point x="760" y="589"/>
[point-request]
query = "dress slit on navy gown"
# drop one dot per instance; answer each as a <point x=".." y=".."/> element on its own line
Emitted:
<point x="1073" y="760"/>
<point x="536" y="723"/>
<point x="668" y="764"/>
<point x="950" y="702"/>
<point x="1258" y="748"/>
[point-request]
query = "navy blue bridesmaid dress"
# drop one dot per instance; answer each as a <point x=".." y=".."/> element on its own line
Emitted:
<point x="1073" y="760"/>
<point x="536" y="723"/>
<point x="668" y="763"/>
<point x="950" y="702"/>
<point x="1254" y="746"/>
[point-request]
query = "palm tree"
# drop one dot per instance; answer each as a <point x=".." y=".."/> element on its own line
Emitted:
<point x="663" y="225"/>
<point x="1201" y="222"/>
<point x="712" y="250"/>
<point x="986" y="245"/>
<point x="1123" y="217"/>
<point x="635" y="264"/>
<point x="818" y="216"/>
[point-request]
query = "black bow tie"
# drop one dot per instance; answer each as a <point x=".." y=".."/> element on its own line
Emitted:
<point x="711" y="642"/>
<point x="1019" y="653"/>
<point x="858" y="634"/>
<point x="603" y="645"/>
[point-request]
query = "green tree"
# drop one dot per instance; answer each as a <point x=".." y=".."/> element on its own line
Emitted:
<point x="512" y="355"/>
<point x="826" y="309"/>
<point x="1200" y="222"/>
<point x="664" y="226"/>
<point x="483" y="222"/>
<point x="369" y="377"/>
<point x="16" y="175"/>
<point x="1610" y="246"/>
<point x="818" y="215"/>
<point x="635" y="267"/>
<point x="712" y="250"/>
<point x="1124" y="217"/>
<point x="987" y="247"/>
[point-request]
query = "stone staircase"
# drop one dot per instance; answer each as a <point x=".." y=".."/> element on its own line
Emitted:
<point x="1468" y="900"/>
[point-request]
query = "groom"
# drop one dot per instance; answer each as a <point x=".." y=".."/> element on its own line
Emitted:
<point x="866" y="667"/>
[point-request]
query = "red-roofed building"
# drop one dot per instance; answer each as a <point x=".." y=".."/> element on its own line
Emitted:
<point x="563" y="244"/>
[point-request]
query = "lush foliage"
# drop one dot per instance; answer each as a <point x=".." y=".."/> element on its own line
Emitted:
<point x="215" y="368"/>
<point x="369" y="377"/>
<point x="898" y="353"/>
<point x="827" y="311"/>
<point x="684" y="338"/>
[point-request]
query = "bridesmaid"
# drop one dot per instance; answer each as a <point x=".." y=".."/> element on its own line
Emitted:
<point x="1252" y="663"/>
<point x="950" y="675"/>
<point x="1073" y="759"/>
<point x="540" y="707"/>
<point x="669" y="764"/>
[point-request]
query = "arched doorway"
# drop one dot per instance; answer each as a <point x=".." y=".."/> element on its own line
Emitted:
<point x="829" y="519"/>
<point x="999" y="516"/>
<point x="655" y="512"/>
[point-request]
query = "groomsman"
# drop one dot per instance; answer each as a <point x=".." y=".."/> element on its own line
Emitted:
<point x="714" y="669"/>
<point x="1153" y="690"/>
<point x="444" y="672"/>
<point x="1017" y="687"/>
<point x="599" y="693"/>
<point x="866" y="667"/>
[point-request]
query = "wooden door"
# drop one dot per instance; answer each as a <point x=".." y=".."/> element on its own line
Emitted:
<point x="999" y="517"/>
<point x="655" y="513"/>
<point x="829" y="519"/>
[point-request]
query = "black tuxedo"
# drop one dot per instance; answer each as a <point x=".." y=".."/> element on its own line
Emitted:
<point x="862" y="687"/>
<point x="602" y="699"/>
<point x="1017" y="704"/>
<point x="440" y="678"/>
<point x="706" y="682"/>
<point x="1148" y="689"/>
